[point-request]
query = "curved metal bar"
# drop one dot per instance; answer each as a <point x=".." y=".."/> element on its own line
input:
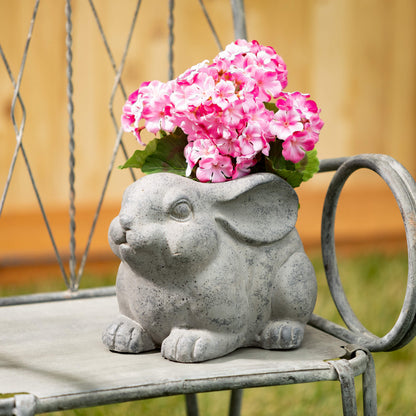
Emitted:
<point x="71" y="127"/>
<point x="339" y="331"/>
<point x="171" y="38"/>
<point x="239" y="19"/>
<point x="211" y="25"/>
<point x="403" y="188"/>
<point x="328" y="165"/>
<point x="118" y="141"/>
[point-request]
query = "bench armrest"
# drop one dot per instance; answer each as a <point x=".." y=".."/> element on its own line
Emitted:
<point x="403" y="188"/>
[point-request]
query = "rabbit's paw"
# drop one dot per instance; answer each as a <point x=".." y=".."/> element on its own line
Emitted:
<point x="191" y="345"/>
<point x="282" y="335"/>
<point x="126" y="335"/>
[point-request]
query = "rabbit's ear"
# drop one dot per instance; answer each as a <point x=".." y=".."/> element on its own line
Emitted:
<point x="257" y="209"/>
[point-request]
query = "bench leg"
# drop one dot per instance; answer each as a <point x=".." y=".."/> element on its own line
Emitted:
<point x="235" y="402"/>
<point x="191" y="404"/>
<point x="346" y="379"/>
<point x="369" y="388"/>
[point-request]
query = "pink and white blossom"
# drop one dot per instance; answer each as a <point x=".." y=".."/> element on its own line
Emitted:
<point x="215" y="169"/>
<point x="285" y="123"/>
<point x="220" y="106"/>
<point x="224" y="94"/>
<point x="251" y="142"/>
<point x="242" y="167"/>
<point x="295" y="146"/>
<point x="197" y="150"/>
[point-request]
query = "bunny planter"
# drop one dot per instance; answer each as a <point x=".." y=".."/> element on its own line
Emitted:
<point x="207" y="268"/>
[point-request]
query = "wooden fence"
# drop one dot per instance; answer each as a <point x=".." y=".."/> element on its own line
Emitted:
<point x="357" y="58"/>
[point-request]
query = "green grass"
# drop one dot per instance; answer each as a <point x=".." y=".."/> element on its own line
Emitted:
<point x="375" y="286"/>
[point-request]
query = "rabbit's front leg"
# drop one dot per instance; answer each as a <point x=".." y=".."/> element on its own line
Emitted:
<point x="195" y="345"/>
<point x="126" y="335"/>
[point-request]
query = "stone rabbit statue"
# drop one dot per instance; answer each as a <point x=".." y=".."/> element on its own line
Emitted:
<point x="209" y="268"/>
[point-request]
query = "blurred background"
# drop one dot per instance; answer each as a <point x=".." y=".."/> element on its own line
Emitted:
<point x="357" y="59"/>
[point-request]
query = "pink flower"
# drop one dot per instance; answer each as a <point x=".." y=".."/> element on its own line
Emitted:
<point x="234" y="115"/>
<point x="228" y="146"/>
<point x="128" y="120"/>
<point x="185" y="97"/>
<point x="132" y="113"/>
<point x="257" y="114"/>
<point x="224" y="94"/>
<point x="199" y="149"/>
<point x="242" y="167"/>
<point x="265" y="56"/>
<point x="300" y="102"/>
<point x="285" y="123"/>
<point x="205" y="88"/>
<point x="267" y="83"/>
<point x="238" y="47"/>
<point x="316" y="124"/>
<point x="220" y="107"/>
<point x="215" y="169"/>
<point x="157" y="115"/>
<point x="154" y="106"/>
<point x="251" y="142"/>
<point x="154" y="90"/>
<point x="189" y="75"/>
<point x="294" y="146"/>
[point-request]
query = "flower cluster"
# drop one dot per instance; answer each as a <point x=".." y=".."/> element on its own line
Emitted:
<point x="231" y="110"/>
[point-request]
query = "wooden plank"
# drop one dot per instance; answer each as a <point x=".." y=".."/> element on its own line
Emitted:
<point x="360" y="73"/>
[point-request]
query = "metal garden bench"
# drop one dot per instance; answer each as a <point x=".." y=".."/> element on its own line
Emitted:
<point x="52" y="357"/>
<point x="53" y="364"/>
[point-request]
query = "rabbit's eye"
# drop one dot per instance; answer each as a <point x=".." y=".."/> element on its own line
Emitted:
<point x="181" y="210"/>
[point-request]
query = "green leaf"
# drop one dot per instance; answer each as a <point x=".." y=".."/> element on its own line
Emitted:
<point x="293" y="177"/>
<point x="275" y="161"/>
<point x="294" y="173"/>
<point x="309" y="165"/>
<point x="271" y="106"/>
<point x="139" y="157"/>
<point x="161" y="155"/>
<point x="168" y="155"/>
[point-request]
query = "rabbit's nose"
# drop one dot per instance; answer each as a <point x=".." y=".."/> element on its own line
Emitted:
<point x="118" y="236"/>
<point x="126" y="221"/>
<point x="116" y="232"/>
